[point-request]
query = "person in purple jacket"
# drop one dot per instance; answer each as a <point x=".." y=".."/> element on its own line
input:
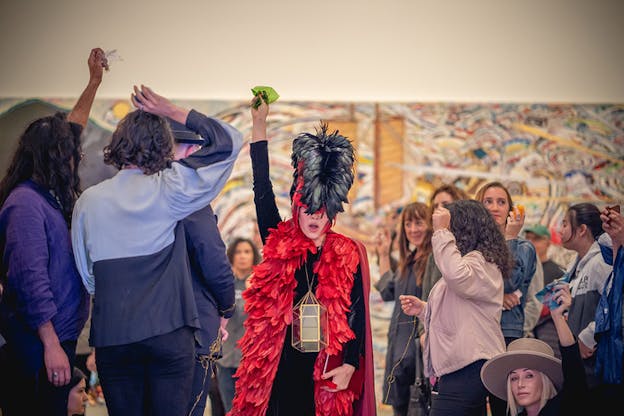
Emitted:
<point x="44" y="305"/>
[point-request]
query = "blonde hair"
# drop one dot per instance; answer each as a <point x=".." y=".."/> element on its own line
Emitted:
<point x="548" y="392"/>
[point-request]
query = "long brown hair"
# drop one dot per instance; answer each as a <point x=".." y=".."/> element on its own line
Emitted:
<point x="416" y="258"/>
<point x="48" y="152"/>
<point x="481" y="193"/>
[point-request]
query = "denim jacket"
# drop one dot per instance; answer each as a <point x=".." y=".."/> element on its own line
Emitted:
<point x="525" y="260"/>
<point x="609" y="324"/>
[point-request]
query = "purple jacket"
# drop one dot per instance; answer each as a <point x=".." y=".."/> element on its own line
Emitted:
<point x="38" y="270"/>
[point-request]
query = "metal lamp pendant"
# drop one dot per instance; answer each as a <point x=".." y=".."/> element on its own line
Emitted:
<point x="309" y="324"/>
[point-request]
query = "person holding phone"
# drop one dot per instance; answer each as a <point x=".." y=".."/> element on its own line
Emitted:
<point x="581" y="231"/>
<point x="528" y="376"/>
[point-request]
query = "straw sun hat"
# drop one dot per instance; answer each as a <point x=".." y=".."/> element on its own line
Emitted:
<point x="528" y="353"/>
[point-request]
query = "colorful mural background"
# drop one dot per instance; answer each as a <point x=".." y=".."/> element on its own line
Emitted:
<point x="548" y="155"/>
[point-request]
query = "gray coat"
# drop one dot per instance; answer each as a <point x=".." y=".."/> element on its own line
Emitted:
<point x="403" y="331"/>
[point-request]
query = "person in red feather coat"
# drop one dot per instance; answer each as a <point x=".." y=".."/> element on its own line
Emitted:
<point x="302" y="256"/>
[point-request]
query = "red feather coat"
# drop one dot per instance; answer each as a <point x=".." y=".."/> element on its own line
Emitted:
<point x="269" y="303"/>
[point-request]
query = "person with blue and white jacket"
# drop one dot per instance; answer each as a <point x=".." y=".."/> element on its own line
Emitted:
<point x="580" y="230"/>
<point x="134" y="260"/>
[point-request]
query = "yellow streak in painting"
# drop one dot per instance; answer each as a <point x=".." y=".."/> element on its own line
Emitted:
<point x="565" y="142"/>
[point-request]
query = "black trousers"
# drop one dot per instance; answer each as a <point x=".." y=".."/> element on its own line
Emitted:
<point x="461" y="393"/>
<point x="149" y="377"/>
<point x="18" y="380"/>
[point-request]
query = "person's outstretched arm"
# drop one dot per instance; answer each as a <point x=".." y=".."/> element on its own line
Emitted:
<point x="267" y="213"/>
<point x="194" y="181"/>
<point x="97" y="63"/>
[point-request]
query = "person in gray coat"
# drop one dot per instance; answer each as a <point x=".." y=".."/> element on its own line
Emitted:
<point x="414" y="249"/>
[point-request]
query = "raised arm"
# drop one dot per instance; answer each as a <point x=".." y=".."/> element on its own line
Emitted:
<point x="267" y="213"/>
<point x="193" y="182"/>
<point x="613" y="224"/>
<point x="97" y="63"/>
<point x="575" y="388"/>
<point x="564" y="299"/>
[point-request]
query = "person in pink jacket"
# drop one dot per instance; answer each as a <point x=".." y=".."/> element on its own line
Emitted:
<point x="462" y="314"/>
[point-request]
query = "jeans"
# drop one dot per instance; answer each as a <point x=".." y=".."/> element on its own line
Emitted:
<point x="225" y="377"/>
<point x="149" y="377"/>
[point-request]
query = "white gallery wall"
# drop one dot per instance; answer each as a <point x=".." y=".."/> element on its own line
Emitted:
<point x="323" y="50"/>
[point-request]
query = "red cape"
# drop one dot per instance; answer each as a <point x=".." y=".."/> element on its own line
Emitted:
<point x="367" y="405"/>
<point x="269" y="309"/>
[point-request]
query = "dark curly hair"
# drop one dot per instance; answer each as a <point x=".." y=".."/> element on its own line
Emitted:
<point x="141" y="139"/>
<point x="475" y="229"/>
<point x="407" y="258"/>
<point x="48" y="152"/>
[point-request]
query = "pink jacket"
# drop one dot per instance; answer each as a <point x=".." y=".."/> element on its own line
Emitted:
<point x="464" y="309"/>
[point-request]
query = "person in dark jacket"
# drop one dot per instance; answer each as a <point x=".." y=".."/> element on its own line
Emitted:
<point x="44" y="305"/>
<point x="213" y="282"/>
<point x="414" y="250"/>
<point x="243" y="256"/>
<point x="529" y="376"/>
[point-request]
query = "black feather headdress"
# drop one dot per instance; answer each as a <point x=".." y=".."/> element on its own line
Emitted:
<point x="323" y="171"/>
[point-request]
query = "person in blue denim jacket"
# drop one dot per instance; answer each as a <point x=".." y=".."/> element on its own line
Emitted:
<point x="609" y="324"/>
<point x="496" y="198"/>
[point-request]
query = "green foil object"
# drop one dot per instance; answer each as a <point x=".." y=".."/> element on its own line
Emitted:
<point x="268" y="94"/>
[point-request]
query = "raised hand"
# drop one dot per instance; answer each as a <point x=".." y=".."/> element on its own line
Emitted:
<point x="97" y="64"/>
<point x="441" y="218"/>
<point x="258" y="117"/>
<point x="613" y="224"/>
<point x="515" y="222"/>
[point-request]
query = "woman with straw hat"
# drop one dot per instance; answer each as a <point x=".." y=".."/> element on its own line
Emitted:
<point x="532" y="380"/>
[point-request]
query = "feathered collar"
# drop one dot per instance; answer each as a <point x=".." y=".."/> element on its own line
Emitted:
<point x="269" y="303"/>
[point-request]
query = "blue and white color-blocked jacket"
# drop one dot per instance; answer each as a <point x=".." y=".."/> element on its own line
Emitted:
<point x="125" y="243"/>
